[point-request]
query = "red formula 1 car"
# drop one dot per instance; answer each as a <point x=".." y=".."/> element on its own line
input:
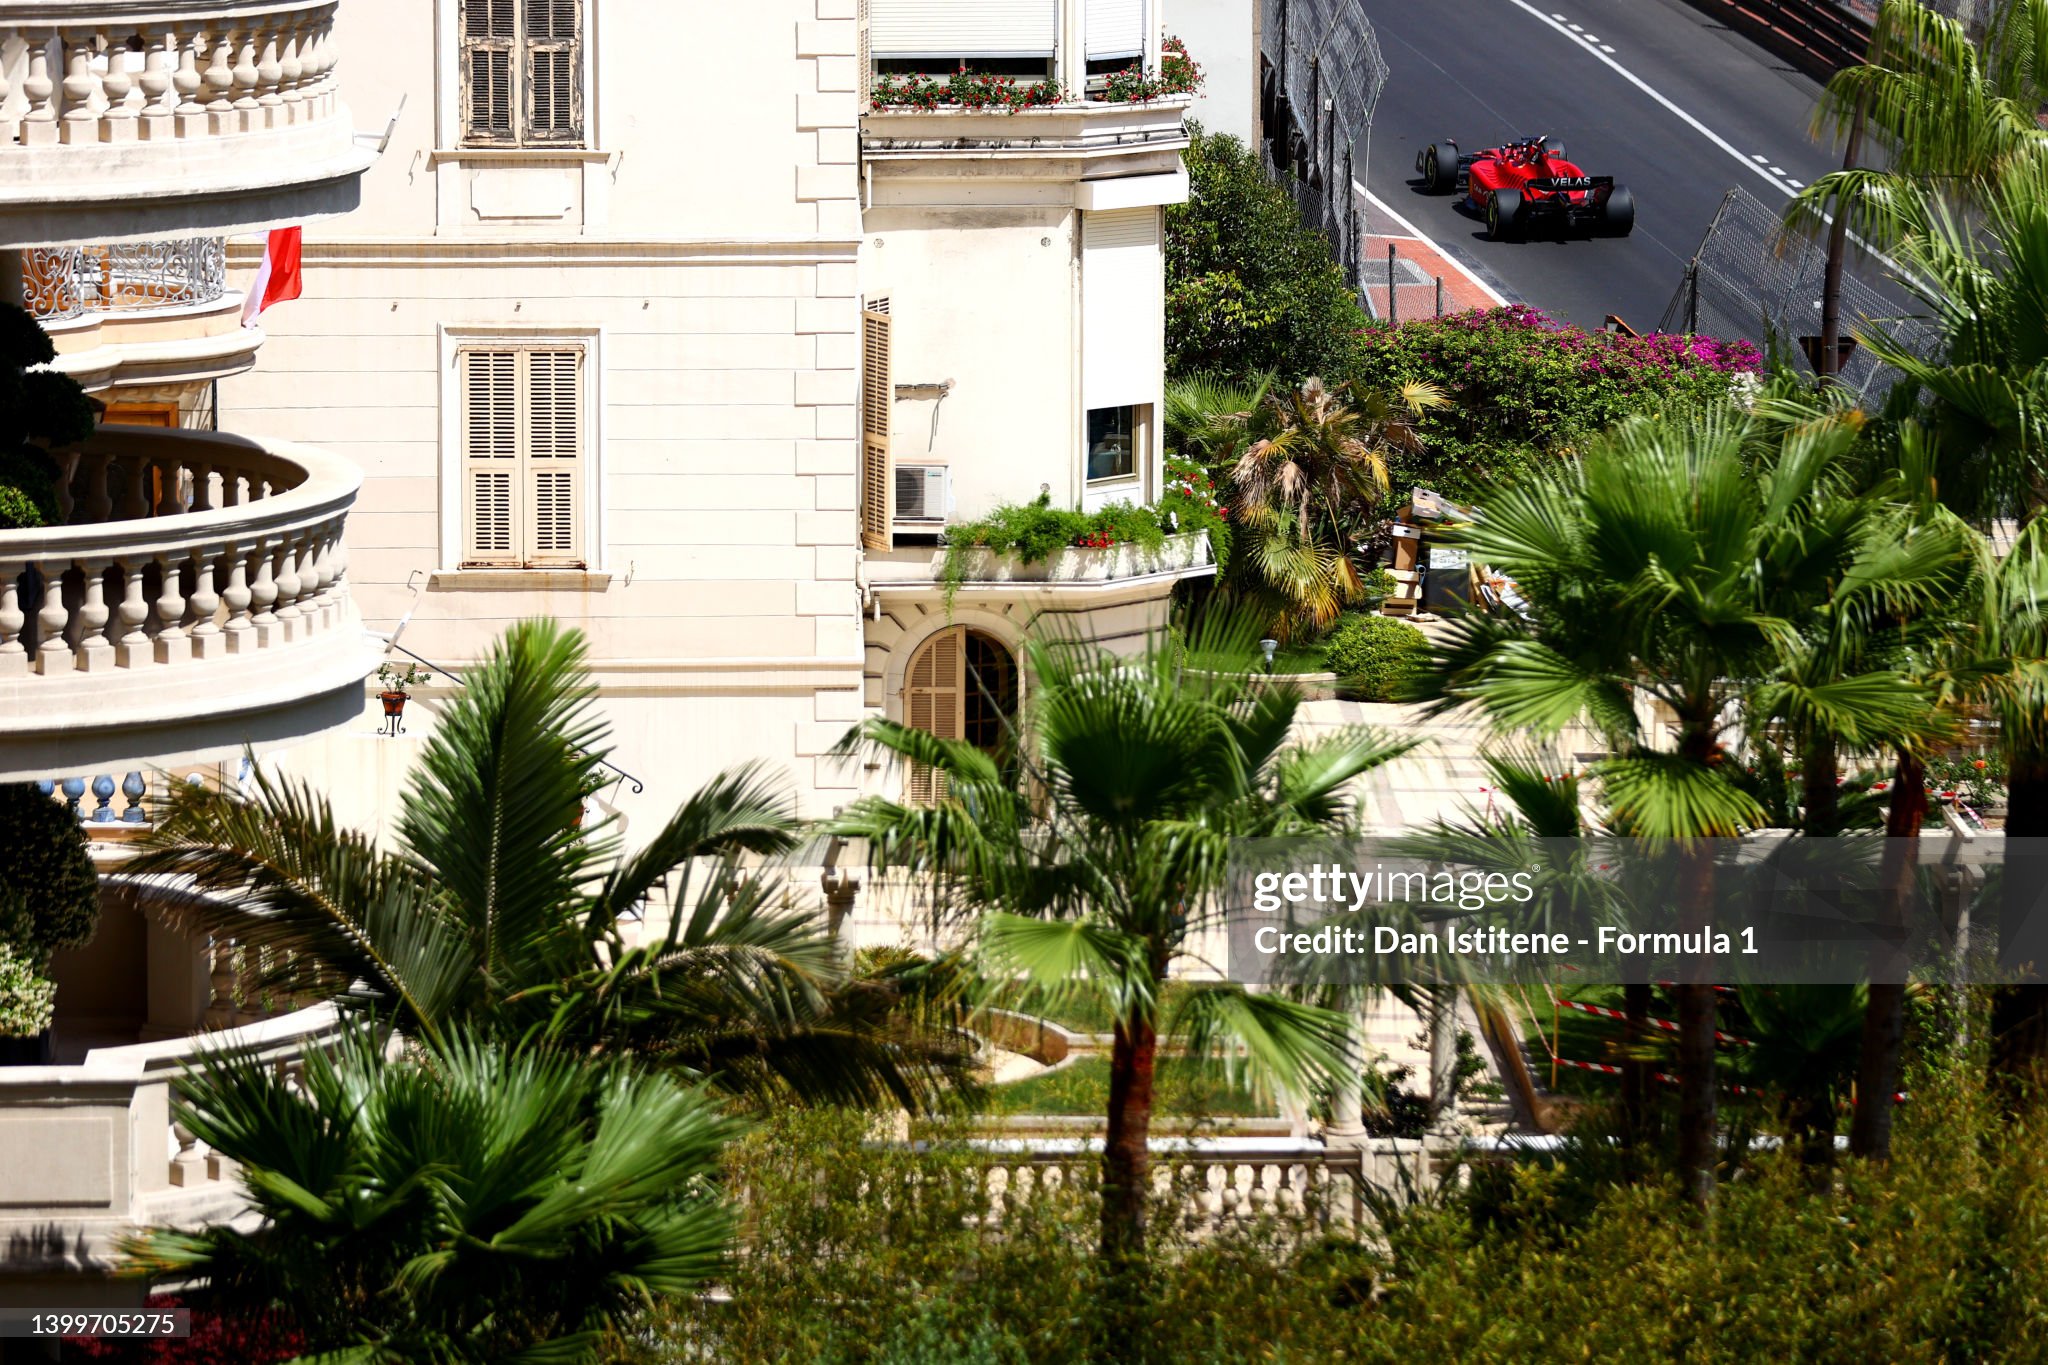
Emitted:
<point x="1527" y="186"/>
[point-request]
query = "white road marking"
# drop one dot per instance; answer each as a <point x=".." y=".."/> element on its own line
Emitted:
<point x="1592" y="37"/>
<point x="1575" y="28"/>
<point x="1605" y="48"/>
<point x="1415" y="232"/>
<point x="1639" y="83"/>
<point x="1761" y="160"/>
<point x="1779" y="170"/>
<point x="1797" y="184"/>
<point x="1558" y="17"/>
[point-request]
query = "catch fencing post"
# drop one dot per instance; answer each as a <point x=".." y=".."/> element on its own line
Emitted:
<point x="1393" y="305"/>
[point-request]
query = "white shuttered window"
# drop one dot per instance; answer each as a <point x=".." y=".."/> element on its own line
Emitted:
<point x="1123" y="308"/>
<point x="522" y="73"/>
<point x="960" y="28"/>
<point x="1115" y="29"/>
<point x="523" y="469"/>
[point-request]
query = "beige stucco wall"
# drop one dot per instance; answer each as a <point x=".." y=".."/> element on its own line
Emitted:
<point x="712" y="275"/>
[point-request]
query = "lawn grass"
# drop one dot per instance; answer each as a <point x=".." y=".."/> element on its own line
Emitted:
<point x="1187" y="1088"/>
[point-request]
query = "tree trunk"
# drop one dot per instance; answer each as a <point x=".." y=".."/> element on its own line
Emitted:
<point x="2019" y="1013"/>
<point x="1828" y="362"/>
<point x="1884" y="1012"/>
<point x="1635" y="1071"/>
<point x="1126" y="1155"/>
<point x="1697" y="1107"/>
<point x="1698" y="1135"/>
<point x="1821" y="793"/>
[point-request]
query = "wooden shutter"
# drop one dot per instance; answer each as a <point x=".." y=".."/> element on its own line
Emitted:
<point x="932" y="696"/>
<point x="877" y="398"/>
<point x="554" y="456"/>
<point x="489" y="37"/>
<point x="523" y="471"/>
<point x="490" y="457"/>
<point x="554" y="71"/>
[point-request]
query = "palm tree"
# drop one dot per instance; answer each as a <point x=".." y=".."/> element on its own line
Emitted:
<point x="1938" y="112"/>
<point x="1096" y="875"/>
<point x="1645" y="567"/>
<point x="1311" y="474"/>
<point x="499" y="909"/>
<point x="1211" y="419"/>
<point x="468" y="1201"/>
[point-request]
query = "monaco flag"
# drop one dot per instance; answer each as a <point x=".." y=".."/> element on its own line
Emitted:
<point x="277" y="279"/>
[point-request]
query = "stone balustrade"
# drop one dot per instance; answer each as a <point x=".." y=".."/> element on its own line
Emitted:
<point x="201" y="582"/>
<point x="92" y="1150"/>
<point x="1215" y="1183"/>
<point x="167" y="106"/>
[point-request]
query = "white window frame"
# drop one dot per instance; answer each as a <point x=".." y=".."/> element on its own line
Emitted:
<point x="452" y="339"/>
<point x="449" y="93"/>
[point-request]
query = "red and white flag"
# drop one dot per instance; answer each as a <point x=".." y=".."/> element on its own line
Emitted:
<point x="277" y="279"/>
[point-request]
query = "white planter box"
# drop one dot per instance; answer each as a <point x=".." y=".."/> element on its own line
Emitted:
<point x="1075" y="565"/>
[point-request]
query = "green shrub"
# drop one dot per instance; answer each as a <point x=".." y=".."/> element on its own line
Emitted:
<point x="1249" y="286"/>
<point x="27" y="997"/>
<point x="1526" y="388"/>
<point x="1374" y="656"/>
<point x="1035" y="531"/>
<point x="49" y="893"/>
<point x="28" y="492"/>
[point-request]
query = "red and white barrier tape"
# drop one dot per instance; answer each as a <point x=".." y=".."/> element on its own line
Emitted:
<point x="1667" y="1025"/>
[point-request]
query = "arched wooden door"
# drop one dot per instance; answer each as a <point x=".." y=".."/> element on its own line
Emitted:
<point x="961" y="684"/>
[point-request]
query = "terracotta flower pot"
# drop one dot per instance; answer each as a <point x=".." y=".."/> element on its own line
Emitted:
<point x="394" y="703"/>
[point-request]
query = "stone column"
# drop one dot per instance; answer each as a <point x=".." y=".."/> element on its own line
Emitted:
<point x="1443" y="1056"/>
<point x="1346" y="1127"/>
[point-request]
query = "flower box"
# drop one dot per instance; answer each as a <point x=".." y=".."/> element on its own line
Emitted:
<point x="1081" y="565"/>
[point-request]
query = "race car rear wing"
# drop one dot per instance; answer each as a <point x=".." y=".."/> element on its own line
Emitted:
<point x="1555" y="183"/>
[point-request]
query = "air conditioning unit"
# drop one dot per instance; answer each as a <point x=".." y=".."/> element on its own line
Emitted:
<point x="924" y="492"/>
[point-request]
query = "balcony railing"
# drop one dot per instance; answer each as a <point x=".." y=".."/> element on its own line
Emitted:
<point x="63" y="282"/>
<point x="120" y="120"/>
<point x="200" y="581"/>
<point x="101" y="73"/>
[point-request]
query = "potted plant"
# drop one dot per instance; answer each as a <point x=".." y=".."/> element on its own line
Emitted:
<point x="394" y="679"/>
<point x="28" y="1000"/>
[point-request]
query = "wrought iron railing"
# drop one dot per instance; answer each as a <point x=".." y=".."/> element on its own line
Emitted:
<point x="69" y="281"/>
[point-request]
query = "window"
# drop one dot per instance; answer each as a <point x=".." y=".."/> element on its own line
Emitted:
<point x="1006" y="37"/>
<point x="1114" y="438"/>
<point x="962" y="684"/>
<point x="523" y="470"/>
<point x="522" y="73"/>
<point x="877" y="399"/>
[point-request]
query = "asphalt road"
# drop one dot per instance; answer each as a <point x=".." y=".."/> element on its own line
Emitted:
<point x="1486" y="70"/>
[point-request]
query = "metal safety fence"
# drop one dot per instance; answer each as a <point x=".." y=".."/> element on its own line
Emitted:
<point x="1752" y="280"/>
<point x="1321" y="76"/>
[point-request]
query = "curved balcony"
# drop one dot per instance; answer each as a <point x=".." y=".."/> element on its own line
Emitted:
<point x="121" y="121"/>
<point x="154" y="312"/>
<point x="195" y="603"/>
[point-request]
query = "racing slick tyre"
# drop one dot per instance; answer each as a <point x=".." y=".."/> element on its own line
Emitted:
<point x="1439" y="169"/>
<point x="1618" y="214"/>
<point x="1504" y="217"/>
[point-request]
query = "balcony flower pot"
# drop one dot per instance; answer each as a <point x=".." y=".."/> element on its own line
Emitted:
<point x="394" y="702"/>
<point x="397" y="679"/>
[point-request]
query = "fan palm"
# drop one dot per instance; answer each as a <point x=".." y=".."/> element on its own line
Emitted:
<point x="1211" y="419"/>
<point x="1314" y="469"/>
<point x="466" y="1202"/>
<point x="499" y="909"/>
<point x="1142" y="771"/>
<point x="1646" y="569"/>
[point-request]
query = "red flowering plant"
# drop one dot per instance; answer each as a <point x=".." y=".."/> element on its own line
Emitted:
<point x="1178" y="75"/>
<point x="964" y="89"/>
